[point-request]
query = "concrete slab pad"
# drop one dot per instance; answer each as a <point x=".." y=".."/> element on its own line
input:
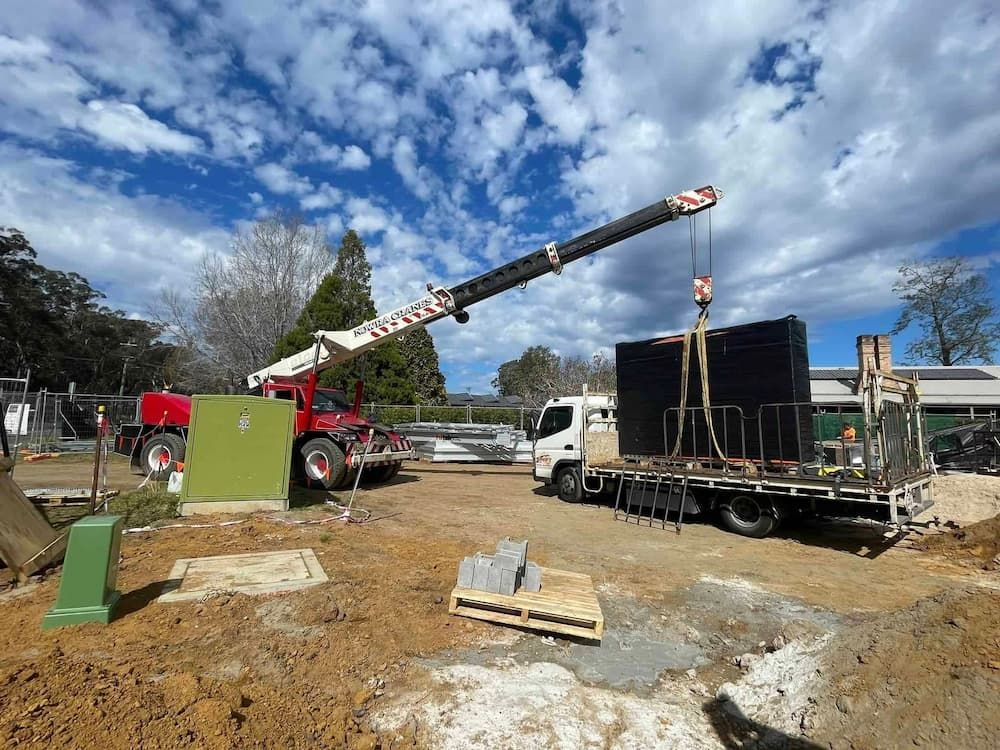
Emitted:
<point x="253" y="573"/>
<point x="231" y="506"/>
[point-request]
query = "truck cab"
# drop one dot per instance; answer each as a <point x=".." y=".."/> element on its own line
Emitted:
<point x="573" y="431"/>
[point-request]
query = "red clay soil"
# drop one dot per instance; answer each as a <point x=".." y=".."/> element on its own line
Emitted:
<point x="294" y="670"/>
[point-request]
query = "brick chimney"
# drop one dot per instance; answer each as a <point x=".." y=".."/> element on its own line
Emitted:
<point x="883" y="353"/>
<point x="867" y="360"/>
<point x="874" y="353"/>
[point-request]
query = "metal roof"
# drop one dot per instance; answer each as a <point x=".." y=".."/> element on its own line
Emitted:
<point x="482" y="399"/>
<point x="924" y="373"/>
<point x="834" y="385"/>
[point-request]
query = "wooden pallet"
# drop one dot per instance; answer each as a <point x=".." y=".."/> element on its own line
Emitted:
<point x="66" y="496"/>
<point x="567" y="604"/>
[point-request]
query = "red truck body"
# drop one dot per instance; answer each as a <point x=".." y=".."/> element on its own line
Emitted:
<point x="332" y="439"/>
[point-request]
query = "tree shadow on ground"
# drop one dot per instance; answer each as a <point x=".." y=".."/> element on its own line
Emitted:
<point x="738" y="732"/>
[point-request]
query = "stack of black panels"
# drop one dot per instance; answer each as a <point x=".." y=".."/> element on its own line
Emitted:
<point x="751" y="369"/>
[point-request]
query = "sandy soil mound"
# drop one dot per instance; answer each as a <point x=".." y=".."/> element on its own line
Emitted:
<point x="926" y="676"/>
<point x="964" y="498"/>
<point x="976" y="544"/>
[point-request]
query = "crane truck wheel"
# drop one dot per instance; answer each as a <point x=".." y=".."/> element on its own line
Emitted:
<point x="348" y="481"/>
<point x="744" y="515"/>
<point x="382" y="473"/>
<point x="160" y="455"/>
<point x="323" y="462"/>
<point x="569" y="485"/>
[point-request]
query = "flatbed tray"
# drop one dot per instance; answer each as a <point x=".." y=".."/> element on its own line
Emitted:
<point x="566" y="604"/>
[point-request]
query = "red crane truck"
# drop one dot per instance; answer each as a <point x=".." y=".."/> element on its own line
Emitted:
<point x="331" y="437"/>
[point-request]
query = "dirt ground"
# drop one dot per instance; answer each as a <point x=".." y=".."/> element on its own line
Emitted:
<point x="713" y="640"/>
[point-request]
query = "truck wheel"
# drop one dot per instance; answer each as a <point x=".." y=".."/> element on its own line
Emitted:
<point x="160" y="454"/>
<point x="569" y="485"/>
<point x="382" y="473"/>
<point x="744" y="515"/>
<point x="347" y="483"/>
<point x="323" y="462"/>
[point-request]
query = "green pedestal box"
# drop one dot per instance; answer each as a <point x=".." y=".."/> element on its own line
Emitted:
<point x="89" y="575"/>
<point x="239" y="454"/>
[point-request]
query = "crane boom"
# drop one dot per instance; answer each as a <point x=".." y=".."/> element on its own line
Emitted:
<point x="334" y="347"/>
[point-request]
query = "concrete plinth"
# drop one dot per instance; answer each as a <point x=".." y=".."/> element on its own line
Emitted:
<point x="232" y="506"/>
<point x="257" y="573"/>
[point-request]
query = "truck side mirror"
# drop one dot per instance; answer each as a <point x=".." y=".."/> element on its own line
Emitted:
<point x="530" y="430"/>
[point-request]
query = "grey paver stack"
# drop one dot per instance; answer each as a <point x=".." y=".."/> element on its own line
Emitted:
<point x="503" y="572"/>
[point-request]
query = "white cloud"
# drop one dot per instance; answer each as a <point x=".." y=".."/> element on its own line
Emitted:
<point x="282" y="180"/>
<point x="556" y="104"/>
<point x="44" y="96"/>
<point x="126" y="126"/>
<point x="417" y="178"/>
<point x="350" y="157"/>
<point x="325" y="196"/>
<point x="128" y="247"/>
<point x="354" y="157"/>
<point x="256" y="198"/>
<point x="366" y="217"/>
<point x="512" y="204"/>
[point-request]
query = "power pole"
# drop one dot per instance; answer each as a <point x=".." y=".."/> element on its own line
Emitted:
<point x="125" y="361"/>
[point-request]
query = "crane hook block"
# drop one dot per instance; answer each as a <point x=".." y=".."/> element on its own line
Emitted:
<point x="703" y="291"/>
<point x="553" y="254"/>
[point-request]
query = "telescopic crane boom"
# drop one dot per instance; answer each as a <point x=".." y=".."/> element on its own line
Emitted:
<point x="334" y="347"/>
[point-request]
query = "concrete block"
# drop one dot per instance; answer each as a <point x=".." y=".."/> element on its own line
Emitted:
<point x="466" y="572"/>
<point x="481" y="574"/>
<point x="519" y="548"/>
<point x="532" y="578"/>
<point x="507" y="561"/>
<point x="493" y="582"/>
<point x="508" y="582"/>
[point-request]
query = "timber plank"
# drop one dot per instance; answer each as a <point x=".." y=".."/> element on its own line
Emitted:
<point x="27" y="541"/>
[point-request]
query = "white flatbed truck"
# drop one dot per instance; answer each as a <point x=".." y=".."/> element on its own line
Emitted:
<point x="887" y="476"/>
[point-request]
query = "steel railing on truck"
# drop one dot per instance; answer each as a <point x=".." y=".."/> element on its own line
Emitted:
<point x="887" y="465"/>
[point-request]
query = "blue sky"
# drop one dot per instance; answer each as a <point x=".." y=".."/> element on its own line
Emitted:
<point x="135" y="137"/>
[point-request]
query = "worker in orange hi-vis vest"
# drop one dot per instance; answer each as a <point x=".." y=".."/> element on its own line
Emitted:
<point x="848" y="432"/>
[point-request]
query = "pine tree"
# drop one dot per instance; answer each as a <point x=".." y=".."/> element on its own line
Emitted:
<point x="421" y="358"/>
<point x="343" y="300"/>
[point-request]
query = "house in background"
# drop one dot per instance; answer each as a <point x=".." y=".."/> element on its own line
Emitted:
<point x="965" y="392"/>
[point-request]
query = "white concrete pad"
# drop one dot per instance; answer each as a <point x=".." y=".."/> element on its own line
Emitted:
<point x="255" y="573"/>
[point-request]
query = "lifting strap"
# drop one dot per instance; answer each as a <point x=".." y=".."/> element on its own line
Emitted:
<point x="703" y="298"/>
<point x="698" y="334"/>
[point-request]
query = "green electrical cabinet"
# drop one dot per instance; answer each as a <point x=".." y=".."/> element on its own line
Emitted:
<point x="239" y="454"/>
<point x="89" y="575"/>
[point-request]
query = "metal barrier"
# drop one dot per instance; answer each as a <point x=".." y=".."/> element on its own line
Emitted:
<point x="696" y="444"/>
<point x="68" y="421"/>
<point x="886" y="450"/>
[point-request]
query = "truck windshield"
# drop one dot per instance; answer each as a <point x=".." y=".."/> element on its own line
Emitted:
<point x="555" y="419"/>
<point x="330" y="401"/>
